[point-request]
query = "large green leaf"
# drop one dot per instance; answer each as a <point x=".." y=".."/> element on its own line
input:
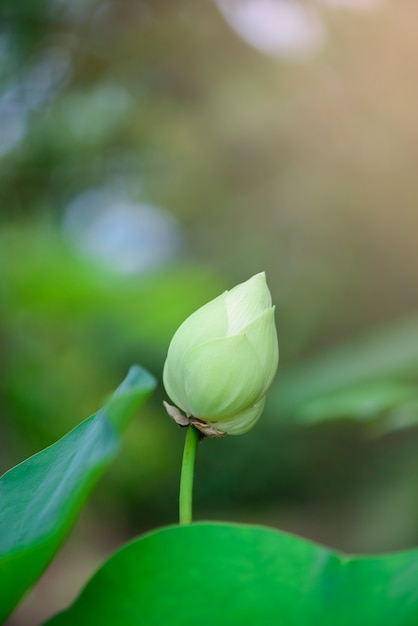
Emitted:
<point x="232" y="575"/>
<point x="41" y="498"/>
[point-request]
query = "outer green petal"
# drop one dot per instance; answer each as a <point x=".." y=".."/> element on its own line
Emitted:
<point x="222" y="377"/>
<point x="263" y="337"/>
<point x="174" y="386"/>
<point x="247" y="301"/>
<point x="207" y="323"/>
<point x="241" y="423"/>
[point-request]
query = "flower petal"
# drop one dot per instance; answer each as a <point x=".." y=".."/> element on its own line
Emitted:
<point x="173" y="384"/>
<point x="247" y="301"/>
<point x="263" y="336"/>
<point x="241" y="423"/>
<point x="222" y="377"/>
<point x="207" y="323"/>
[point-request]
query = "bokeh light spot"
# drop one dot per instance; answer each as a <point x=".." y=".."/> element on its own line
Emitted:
<point x="122" y="235"/>
<point x="282" y="28"/>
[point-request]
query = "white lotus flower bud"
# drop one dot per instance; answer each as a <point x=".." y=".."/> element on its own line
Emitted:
<point x="222" y="360"/>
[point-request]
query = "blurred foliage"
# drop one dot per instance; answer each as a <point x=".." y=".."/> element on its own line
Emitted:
<point x="369" y="377"/>
<point x="69" y="327"/>
<point x="304" y="168"/>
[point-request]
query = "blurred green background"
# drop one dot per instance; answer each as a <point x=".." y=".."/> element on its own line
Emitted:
<point x="153" y="154"/>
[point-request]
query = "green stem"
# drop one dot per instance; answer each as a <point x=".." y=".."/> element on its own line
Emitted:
<point x="187" y="473"/>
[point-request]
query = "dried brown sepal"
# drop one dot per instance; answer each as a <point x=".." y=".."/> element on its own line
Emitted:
<point x="206" y="429"/>
<point x="182" y="420"/>
<point x="176" y="414"/>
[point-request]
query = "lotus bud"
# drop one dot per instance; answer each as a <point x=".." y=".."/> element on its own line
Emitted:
<point x="222" y="360"/>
